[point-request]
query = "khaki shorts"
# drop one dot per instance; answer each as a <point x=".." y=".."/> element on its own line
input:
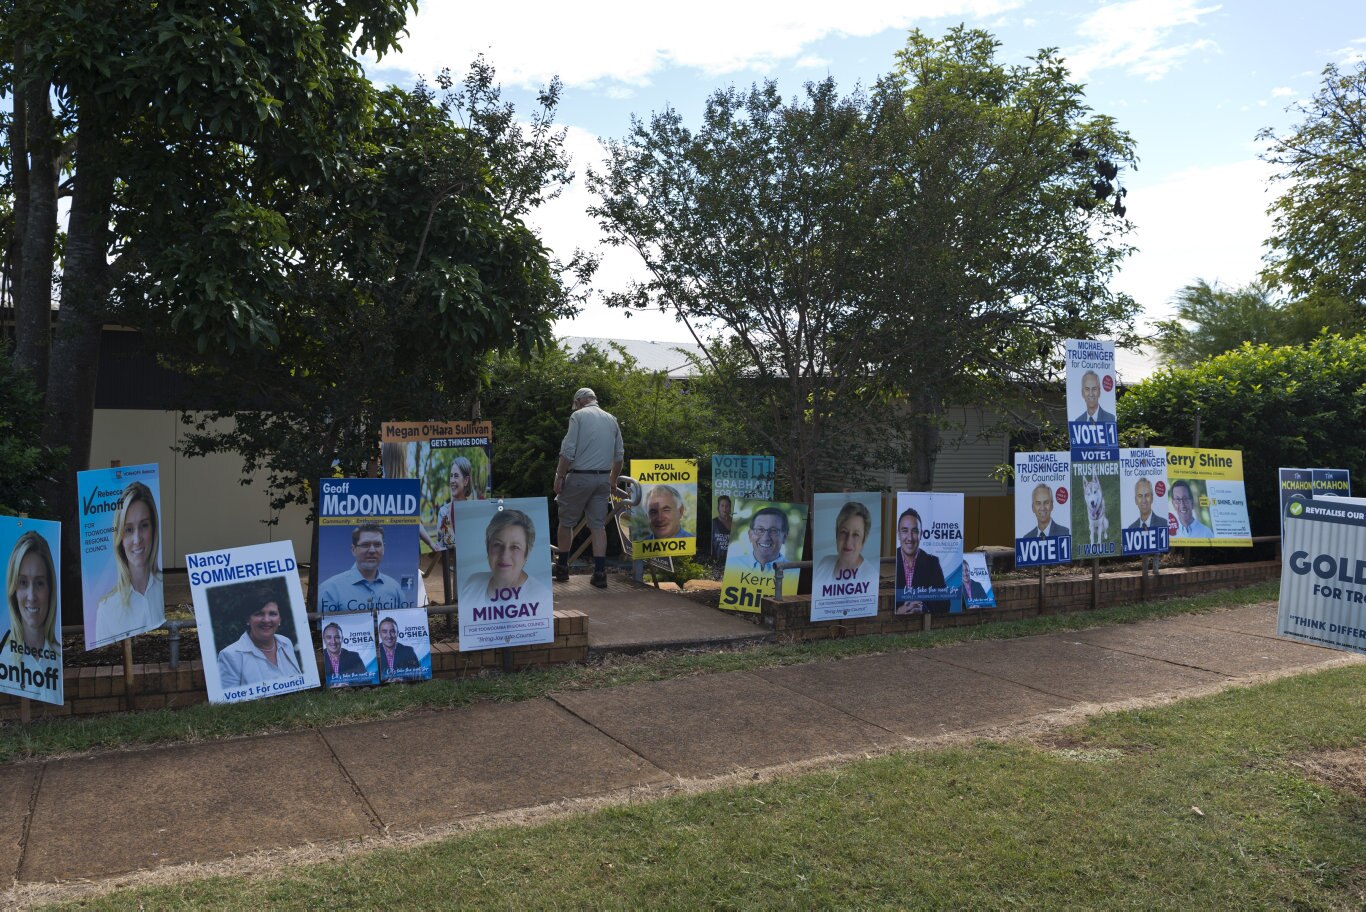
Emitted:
<point x="584" y="493"/>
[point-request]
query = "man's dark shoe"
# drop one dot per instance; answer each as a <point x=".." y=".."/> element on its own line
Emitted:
<point x="599" y="579"/>
<point x="561" y="573"/>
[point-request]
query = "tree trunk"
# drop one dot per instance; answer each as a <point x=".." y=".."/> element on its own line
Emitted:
<point x="925" y="444"/>
<point x="74" y="366"/>
<point x="35" y="210"/>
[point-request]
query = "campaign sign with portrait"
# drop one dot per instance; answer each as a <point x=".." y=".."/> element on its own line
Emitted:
<point x="1206" y="497"/>
<point x="1323" y="573"/>
<point x="1092" y="431"/>
<point x="367" y="544"/>
<point x="977" y="589"/>
<point x="120" y="524"/>
<point x="1143" y="501"/>
<point x="1042" y="492"/>
<point x="735" y="478"/>
<point x="502" y="568"/>
<point x="664" y="523"/>
<point x="929" y="552"/>
<point x="763" y="533"/>
<point x="348" y="657"/>
<point x="452" y="461"/>
<point x="253" y="622"/>
<point x="1095" y="516"/>
<point x="404" y="651"/>
<point x="846" y="536"/>
<point x="31" y="644"/>
<point x="1313" y="483"/>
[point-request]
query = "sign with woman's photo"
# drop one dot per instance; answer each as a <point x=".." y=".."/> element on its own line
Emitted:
<point x="664" y="524"/>
<point x="763" y="533"/>
<point x="367" y="544"/>
<point x="253" y="623"/>
<point x="1207" y="498"/>
<point x="349" y="649"/>
<point x="120" y="524"/>
<point x="846" y="537"/>
<point x="31" y="642"/>
<point x="1143" y="501"/>
<point x="1042" y="490"/>
<point x="405" y="646"/>
<point x="503" y="573"/>
<point x="929" y="554"/>
<point x="735" y="478"/>
<point x="452" y="461"/>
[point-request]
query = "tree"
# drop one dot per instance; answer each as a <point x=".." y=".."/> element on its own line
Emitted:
<point x="1318" y="247"/>
<point x="1211" y="320"/>
<point x="411" y="263"/>
<point x="29" y="464"/>
<point x="1286" y="406"/>
<point x="168" y="127"/>
<point x="849" y="263"/>
<point x="1008" y="225"/>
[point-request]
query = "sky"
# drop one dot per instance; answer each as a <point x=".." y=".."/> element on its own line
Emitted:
<point x="1192" y="82"/>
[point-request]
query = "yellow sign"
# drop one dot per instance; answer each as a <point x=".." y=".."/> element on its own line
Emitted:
<point x="664" y="524"/>
<point x="1207" y="500"/>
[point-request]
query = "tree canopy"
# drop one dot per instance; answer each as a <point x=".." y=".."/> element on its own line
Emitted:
<point x="851" y="261"/>
<point x="1318" y="247"/>
<point x="1211" y="320"/>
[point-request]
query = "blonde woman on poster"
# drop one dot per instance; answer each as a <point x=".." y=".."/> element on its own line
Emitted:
<point x="31" y="593"/>
<point x="509" y="539"/>
<point x="136" y="602"/>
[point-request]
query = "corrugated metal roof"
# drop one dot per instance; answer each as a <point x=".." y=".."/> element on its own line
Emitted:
<point x="670" y="357"/>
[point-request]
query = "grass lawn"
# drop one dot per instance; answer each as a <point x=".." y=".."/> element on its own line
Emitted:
<point x="1102" y="815"/>
<point x="323" y="707"/>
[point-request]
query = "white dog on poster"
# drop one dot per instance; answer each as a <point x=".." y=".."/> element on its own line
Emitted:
<point x="1095" y="509"/>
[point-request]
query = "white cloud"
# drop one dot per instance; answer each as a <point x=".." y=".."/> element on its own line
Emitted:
<point x="585" y="44"/>
<point x="1202" y="223"/>
<point x="1282" y="92"/>
<point x="812" y="62"/>
<point x="1137" y="36"/>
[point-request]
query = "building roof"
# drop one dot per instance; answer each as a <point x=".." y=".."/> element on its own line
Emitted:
<point x="669" y="357"/>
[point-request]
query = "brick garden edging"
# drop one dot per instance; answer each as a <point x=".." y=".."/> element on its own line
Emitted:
<point x="100" y="689"/>
<point x="1016" y="599"/>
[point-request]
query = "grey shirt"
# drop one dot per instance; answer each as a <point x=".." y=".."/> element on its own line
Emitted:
<point x="593" y="441"/>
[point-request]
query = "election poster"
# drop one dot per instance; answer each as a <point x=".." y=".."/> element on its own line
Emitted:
<point x="977" y="589"/>
<point x="846" y="538"/>
<point x="502" y="567"/>
<point x="349" y="650"/>
<point x="253" y="622"/>
<point x="763" y="533"/>
<point x="1143" y="501"/>
<point x="120" y="525"/>
<point x="1313" y="483"/>
<point x="1095" y="509"/>
<point x="664" y="523"/>
<point x="929" y="553"/>
<point x="1208" y="502"/>
<point x="735" y="478"/>
<point x="1323" y="573"/>
<point x="1042" y="483"/>
<point x="451" y="460"/>
<point x="31" y="645"/>
<point x="367" y="544"/>
<point x="1091" y="428"/>
<point x="405" y="645"/>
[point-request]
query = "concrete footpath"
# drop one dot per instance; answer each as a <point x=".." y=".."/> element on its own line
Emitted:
<point x="114" y="813"/>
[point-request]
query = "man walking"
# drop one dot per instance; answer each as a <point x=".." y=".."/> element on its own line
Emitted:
<point x="590" y="461"/>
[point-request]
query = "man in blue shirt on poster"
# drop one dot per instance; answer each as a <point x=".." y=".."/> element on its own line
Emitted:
<point x="363" y="587"/>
